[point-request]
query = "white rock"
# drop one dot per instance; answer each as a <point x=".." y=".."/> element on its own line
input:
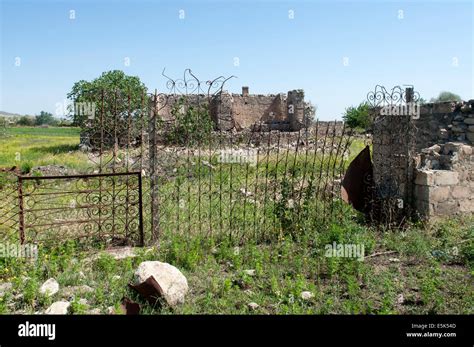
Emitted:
<point x="50" y="287"/>
<point x="253" y="306"/>
<point x="58" y="307"/>
<point x="170" y="279"/>
<point x="83" y="301"/>
<point x="307" y="295"/>
<point x="249" y="272"/>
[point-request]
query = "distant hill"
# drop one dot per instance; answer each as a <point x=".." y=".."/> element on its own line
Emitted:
<point x="8" y="114"/>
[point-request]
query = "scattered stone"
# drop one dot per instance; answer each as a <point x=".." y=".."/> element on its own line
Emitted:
<point x="58" y="307"/>
<point x="117" y="277"/>
<point x="118" y="253"/>
<point x="245" y="192"/>
<point x="400" y="299"/>
<point x="83" y="302"/>
<point x="173" y="283"/>
<point x="121" y="252"/>
<point x="209" y="165"/>
<point x="5" y="287"/>
<point x="307" y="295"/>
<point x="253" y="306"/>
<point x="52" y="170"/>
<point x="394" y="260"/>
<point x="50" y="287"/>
<point x="95" y="311"/>
<point x="291" y="203"/>
<point x="249" y="272"/>
<point x="111" y="310"/>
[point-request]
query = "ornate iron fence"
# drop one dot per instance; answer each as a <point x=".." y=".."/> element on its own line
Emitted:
<point x="157" y="165"/>
<point x="105" y="208"/>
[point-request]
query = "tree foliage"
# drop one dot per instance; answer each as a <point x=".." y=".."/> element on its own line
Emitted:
<point x="45" y="118"/>
<point x="28" y="121"/>
<point x="113" y="93"/>
<point x="358" y="117"/>
<point x="446" y="96"/>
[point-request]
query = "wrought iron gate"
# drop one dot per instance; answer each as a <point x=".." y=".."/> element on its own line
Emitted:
<point x="96" y="207"/>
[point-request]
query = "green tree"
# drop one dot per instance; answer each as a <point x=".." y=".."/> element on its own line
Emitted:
<point x="45" y="118"/>
<point x="358" y="117"/>
<point x="28" y="121"/>
<point x="113" y="93"/>
<point x="446" y="96"/>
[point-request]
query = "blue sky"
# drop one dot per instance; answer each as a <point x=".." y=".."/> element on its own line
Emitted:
<point x="431" y="47"/>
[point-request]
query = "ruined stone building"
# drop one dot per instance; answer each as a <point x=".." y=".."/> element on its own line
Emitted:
<point x="229" y="111"/>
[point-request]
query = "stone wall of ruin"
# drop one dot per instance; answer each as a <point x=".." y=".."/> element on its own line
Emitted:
<point x="246" y="111"/>
<point x="431" y="158"/>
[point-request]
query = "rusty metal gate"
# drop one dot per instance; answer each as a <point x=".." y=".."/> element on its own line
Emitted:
<point x="96" y="207"/>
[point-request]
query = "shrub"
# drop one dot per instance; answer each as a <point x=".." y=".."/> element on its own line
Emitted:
<point x="192" y="124"/>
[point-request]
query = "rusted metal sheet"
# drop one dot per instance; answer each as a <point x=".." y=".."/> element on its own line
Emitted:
<point x="358" y="182"/>
<point x="150" y="290"/>
<point x="130" y="307"/>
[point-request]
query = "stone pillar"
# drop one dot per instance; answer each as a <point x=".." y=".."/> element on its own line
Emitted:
<point x="221" y="111"/>
<point x="295" y="109"/>
<point x="393" y="166"/>
<point x="245" y="91"/>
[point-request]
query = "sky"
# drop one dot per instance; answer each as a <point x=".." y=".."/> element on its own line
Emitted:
<point x="337" y="51"/>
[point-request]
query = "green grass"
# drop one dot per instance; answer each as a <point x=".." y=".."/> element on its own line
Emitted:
<point x="32" y="146"/>
<point x="218" y="282"/>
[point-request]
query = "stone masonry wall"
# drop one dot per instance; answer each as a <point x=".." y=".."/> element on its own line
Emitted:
<point x="444" y="162"/>
<point x="448" y="189"/>
<point x="246" y="111"/>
